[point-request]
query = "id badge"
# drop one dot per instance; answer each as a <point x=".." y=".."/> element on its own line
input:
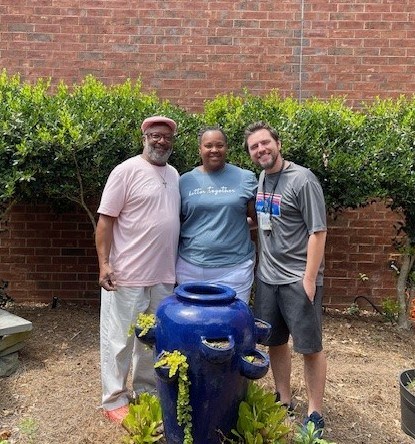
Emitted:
<point x="265" y="221"/>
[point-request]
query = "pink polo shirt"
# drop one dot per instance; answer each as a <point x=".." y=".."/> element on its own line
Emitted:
<point x="145" y="201"/>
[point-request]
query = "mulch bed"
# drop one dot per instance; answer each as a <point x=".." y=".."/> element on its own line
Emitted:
<point x="54" y="396"/>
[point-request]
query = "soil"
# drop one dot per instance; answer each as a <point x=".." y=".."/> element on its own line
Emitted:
<point x="54" y="395"/>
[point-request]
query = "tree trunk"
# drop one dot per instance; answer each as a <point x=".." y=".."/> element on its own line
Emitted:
<point x="401" y="289"/>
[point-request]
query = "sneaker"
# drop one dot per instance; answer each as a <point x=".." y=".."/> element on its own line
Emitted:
<point x="117" y="415"/>
<point x="318" y="422"/>
<point x="290" y="407"/>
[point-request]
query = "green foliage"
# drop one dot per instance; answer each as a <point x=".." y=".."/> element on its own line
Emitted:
<point x="177" y="363"/>
<point x="327" y="137"/>
<point x="144" y="420"/>
<point x="92" y="129"/>
<point x="22" y="110"/>
<point x="59" y="146"/>
<point x="390" y="137"/>
<point x="145" y="322"/>
<point x="411" y="385"/>
<point x="353" y="309"/>
<point x="307" y="435"/>
<point x="390" y="309"/>
<point x="261" y="420"/>
<point x="29" y="427"/>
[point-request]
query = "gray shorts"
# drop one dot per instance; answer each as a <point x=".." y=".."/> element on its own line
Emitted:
<point x="289" y="311"/>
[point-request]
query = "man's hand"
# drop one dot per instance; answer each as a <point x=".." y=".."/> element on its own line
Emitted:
<point x="107" y="279"/>
<point x="310" y="288"/>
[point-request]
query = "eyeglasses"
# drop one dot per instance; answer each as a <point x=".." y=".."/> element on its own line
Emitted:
<point x="156" y="137"/>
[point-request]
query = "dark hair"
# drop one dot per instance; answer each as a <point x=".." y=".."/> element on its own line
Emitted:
<point x="211" y="128"/>
<point x="256" y="126"/>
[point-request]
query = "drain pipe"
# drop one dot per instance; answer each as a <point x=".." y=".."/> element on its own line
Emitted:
<point x="300" y="89"/>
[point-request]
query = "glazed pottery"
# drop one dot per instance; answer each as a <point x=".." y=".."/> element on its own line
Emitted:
<point x="218" y="334"/>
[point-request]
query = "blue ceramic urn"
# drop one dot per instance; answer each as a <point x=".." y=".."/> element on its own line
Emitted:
<point x="218" y="334"/>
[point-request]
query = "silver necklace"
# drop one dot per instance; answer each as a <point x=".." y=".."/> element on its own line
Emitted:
<point x="162" y="176"/>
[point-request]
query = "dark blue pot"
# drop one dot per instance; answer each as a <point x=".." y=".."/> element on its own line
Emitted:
<point x="407" y="402"/>
<point x="216" y="332"/>
<point x="255" y="365"/>
<point x="262" y="330"/>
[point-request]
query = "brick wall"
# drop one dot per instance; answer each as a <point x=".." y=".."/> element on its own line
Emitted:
<point x="360" y="242"/>
<point x="45" y="255"/>
<point x="189" y="51"/>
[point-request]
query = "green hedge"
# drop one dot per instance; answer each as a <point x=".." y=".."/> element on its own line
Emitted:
<point x="60" y="145"/>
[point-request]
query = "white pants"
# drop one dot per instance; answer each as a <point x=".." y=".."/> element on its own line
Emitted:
<point x="238" y="277"/>
<point x="119" y="310"/>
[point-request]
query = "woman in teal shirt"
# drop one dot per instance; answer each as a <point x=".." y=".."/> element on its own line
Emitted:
<point x="217" y="208"/>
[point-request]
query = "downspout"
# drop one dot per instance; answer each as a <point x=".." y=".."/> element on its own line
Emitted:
<point x="300" y="89"/>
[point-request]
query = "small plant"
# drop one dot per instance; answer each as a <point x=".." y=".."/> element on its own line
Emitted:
<point x="390" y="309"/>
<point x="144" y="323"/>
<point x="144" y="421"/>
<point x="261" y="419"/>
<point x="177" y="363"/>
<point x="353" y="309"/>
<point x="307" y="435"/>
<point x="411" y="386"/>
<point x="29" y="428"/>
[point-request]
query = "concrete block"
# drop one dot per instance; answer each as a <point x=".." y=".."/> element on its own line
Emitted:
<point x="13" y="342"/>
<point x="9" y="364"/>
<point x="10" y="323"/>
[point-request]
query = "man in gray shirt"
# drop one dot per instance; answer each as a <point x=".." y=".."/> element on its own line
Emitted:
<point x="292" y="232"/>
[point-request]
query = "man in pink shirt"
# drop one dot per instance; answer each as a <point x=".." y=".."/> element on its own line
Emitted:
<point x="136" y="240"/>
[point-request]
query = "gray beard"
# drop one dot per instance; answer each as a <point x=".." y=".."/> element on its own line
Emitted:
<point x="158" y="159"/>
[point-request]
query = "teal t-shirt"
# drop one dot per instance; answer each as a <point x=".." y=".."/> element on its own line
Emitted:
<point x="214" y="228"/>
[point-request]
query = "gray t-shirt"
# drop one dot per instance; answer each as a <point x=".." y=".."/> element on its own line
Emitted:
<point x="214" y="230"/>
<point x="297" y="210"/>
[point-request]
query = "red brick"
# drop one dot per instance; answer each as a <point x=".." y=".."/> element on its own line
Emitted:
<point x="359" y="49"/>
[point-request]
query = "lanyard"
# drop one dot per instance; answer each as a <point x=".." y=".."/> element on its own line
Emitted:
<point x="273" y="191"/>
